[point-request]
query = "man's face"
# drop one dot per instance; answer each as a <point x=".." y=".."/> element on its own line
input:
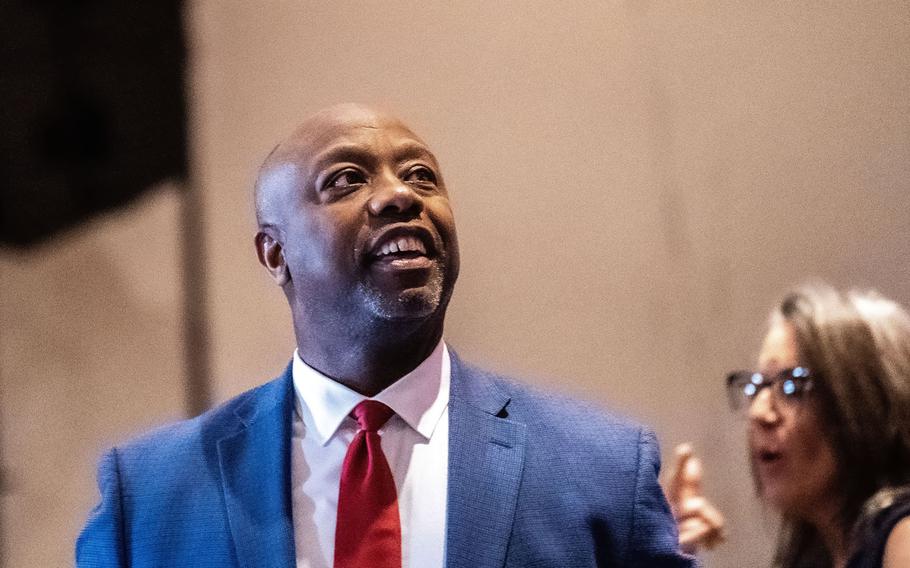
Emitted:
<point x="365" y="223"/>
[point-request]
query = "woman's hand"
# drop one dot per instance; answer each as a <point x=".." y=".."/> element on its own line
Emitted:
<point x="700" y="524"/>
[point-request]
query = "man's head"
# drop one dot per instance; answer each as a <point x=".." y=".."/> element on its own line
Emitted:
<point x="355" y="223"/>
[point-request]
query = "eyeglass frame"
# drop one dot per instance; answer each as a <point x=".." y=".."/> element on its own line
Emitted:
<point x="787" y="386"/>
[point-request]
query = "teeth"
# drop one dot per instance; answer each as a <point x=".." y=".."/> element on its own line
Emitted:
<point x="402" y="244"/>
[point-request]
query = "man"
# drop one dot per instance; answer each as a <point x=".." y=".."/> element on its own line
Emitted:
<point x="463" y="468"/>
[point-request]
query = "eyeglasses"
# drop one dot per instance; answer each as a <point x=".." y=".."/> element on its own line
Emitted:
<point x="787" y="386"/>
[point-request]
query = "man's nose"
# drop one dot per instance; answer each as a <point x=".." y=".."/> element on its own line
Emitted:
<point x="393" y="196"/>
<point x="762" y="409"/>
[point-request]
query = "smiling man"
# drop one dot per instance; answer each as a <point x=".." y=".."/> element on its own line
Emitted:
<point x="378" y="447"/>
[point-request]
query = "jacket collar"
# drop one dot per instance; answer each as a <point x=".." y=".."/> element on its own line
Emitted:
<point x="486" y="460"/>
<point x="255" y="463"/>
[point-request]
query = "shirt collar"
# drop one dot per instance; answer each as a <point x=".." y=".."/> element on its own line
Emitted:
<point x="418" y="398"/>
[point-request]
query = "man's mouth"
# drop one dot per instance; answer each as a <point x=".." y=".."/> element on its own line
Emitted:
<point x="402" y="248"/>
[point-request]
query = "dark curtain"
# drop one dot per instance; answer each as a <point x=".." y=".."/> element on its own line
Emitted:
<point x="92" y="109"/>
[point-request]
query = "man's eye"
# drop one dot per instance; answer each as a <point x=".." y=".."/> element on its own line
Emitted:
<point x="346" y="178"/>
<point x="420" y="174"/>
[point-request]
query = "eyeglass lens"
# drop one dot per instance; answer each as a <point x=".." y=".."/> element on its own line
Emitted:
<point x="787" y="384"/>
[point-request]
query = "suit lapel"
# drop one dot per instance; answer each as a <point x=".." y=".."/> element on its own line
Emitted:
<point x="255" y="473"/>
<point x="486" y="455"/>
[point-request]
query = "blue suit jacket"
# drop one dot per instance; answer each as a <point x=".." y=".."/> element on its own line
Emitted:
<point x="533" y="481"/>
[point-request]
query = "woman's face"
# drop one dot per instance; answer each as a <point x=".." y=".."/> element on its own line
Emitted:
<point x="791" y="456"/>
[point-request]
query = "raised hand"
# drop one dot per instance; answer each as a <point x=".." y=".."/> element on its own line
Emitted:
<point x="700" y="524"/>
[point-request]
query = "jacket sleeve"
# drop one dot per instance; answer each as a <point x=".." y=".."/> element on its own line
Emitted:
<point x="654" y="538"/>
<point x="101" y="543"/>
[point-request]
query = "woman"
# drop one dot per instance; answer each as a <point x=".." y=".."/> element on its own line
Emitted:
<point x="828" y="433"/>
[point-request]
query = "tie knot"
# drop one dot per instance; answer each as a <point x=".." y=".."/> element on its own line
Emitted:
<point x="371" y="415"/>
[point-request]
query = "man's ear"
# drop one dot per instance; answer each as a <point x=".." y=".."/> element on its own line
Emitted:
<point x="271" y="256"/>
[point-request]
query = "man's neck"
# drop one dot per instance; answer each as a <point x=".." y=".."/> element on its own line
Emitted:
<point x="368" y="362"/>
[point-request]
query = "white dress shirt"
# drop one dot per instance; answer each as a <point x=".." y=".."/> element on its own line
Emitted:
<point x="415" y="442"/>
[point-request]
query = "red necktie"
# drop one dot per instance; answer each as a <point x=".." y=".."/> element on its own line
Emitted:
<point x="368" y="533"/>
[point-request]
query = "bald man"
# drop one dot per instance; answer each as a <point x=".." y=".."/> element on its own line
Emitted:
<point x="377" y="446"/>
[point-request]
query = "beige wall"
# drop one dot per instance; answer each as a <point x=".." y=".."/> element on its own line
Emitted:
<point x="89" y="353"/>
<point x="635" y="184"/>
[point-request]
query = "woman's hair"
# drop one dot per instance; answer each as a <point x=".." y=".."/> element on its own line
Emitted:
<point x="857" y="346"/>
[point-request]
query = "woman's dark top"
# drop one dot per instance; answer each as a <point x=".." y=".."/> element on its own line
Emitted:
<point x="872" y="533"/>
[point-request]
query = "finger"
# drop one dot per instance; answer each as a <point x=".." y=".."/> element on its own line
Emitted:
<point x="691" y="535"/>
<point x="692" y="507"/>
<point x="686" y="480"/>
<point x="699" y="508"/>
<point x="682" y="454"/>
<point x="713" y="516"/>
<point x="690" y="485"/>
<point x="704" y="518"/>
<point x="697" y="524"/>
<point x="695" y="533"/>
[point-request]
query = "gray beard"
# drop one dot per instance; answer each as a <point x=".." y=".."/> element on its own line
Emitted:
<point x="410" y="304"/>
